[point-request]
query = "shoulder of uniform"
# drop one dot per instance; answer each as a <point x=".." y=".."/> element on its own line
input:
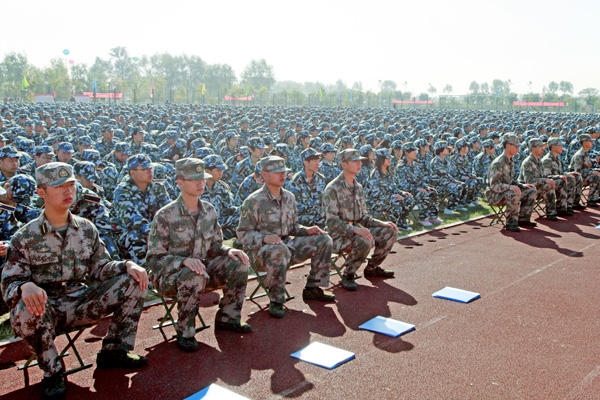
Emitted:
<point x="7" y="207"/>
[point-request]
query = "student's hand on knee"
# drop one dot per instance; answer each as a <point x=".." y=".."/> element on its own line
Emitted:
<point x="195" y="265"/>
<point x="272" y="239"/>
<point x="392" y="225"/>
<point x="34" y="298"/>
<point x="515" y="189"/>
<point x="315" y="230"/>
<point x="238" y="255"/>
<point x="138" y="273"/>
<point x="364" y="232"/>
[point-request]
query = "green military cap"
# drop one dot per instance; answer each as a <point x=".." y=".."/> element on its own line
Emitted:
<point x="54" y="174"/>
<point x="584" y="137"/>
<point x="191" y="168"/>
<point x="554" y="141"/>
<point x="511" y="138"/>
<point x="535" y="142"/>
<point x="350" y="155"/>
<point x="273" y="164"/>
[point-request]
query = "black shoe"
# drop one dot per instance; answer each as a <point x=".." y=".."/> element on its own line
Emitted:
<point x="316" y="293"/>
<point x="578" y="207"/>
<point x="527" y="223"/>
<point x="349" y="283"/>
<point x="592" y="204"/>
<point x="233" y="326"/>
<point x="187" y="344"/>
<point x="513" y="228"/>
<point x="53" y="387"/>
<point x="564" y="213"/>
<point x="276" y="310"/>
<point x="377" y="271"/>
<point x="552" y="217"/>
<point x="119" y="359"/>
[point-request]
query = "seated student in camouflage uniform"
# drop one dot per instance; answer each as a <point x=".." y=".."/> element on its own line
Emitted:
<point x="581" y="162"/>
<point x="504" y="189"/>
<point x="274" y="240"/>
<point x="367" y="159"/>
<point x="307" y="187"/>
<point x="106" y="144"/>
<point x="186" y="254"/>
<point x="249" y="185"/>
<point x="256" y="146"/>
<point x="64" y="153"/>
<point x="572" y="182"/>
<point x="443" y="180"/>
<point x="353" y="231"/>
<point x="482" y="161"/>
<point x="218" y="193"/>
<point x="58" y="275"/>
<point x="384" y="199"/>
<point x="329" y="167"/>
<point x="461" y="171"/>
<point x="9" y="162"/>
<point x="532" y="172"/>
<point x="137" y="199"/>
<point x="16" y="204"/>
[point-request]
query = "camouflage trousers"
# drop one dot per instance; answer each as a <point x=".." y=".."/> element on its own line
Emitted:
<point x="471" y="188"/>
<point x="428" y="204"/>
<point x="357" y="248"/>
<point x="393" y="209"/>
<point x="565" y="193"/>
<point x="187" y="286"/>
<point x="454" y="193"/>
<point x="546" y="192"/>
<point x="133" y="246"/>
<point x="276" y="259"/>
<point x="120" y="295"/>
<point x="519" y="207"/>
<point x="311" y="220"/>
<point x="593" y="181"/>
<point x="574" y="188"/>
<point x="111" y="247"/>
<point x="229" y="225"/>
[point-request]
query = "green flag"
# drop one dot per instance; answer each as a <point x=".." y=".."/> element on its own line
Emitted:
<point x="25" y="84"/>
<point x="321" y="94"/>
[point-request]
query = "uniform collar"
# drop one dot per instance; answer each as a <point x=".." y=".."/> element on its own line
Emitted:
<point x="46" y="226"/>
<point x="183" y="209"/>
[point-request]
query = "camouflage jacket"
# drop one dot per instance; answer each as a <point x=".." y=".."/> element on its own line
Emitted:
<point x="380" y="188"/>
<point x="345" y="207"/>
<point x="442" y="172"/>
<point x="581" y="162"/>
<point x="176" y="235"/>
<point x="531" y="171"/>
<point x="501" y="174"/>
<point x="329" y="170"/>
<point x="553" y="167"/>
<point x="308" y="194"/>
<point x="39" y="254"/>
<point x="481" y="164"/>
<point x="411" y="178"/>
<point x="248" y="186"/>
<point x="104" y="148"/>
<point x="461" y="167"/>
<point x="134" y="209"/>
<point x="261" y="215"/>
<point x="221" y="198"/>
<point x="242" y="170"/>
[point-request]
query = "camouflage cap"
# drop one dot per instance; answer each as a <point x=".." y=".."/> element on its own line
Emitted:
<point x="84" y="141"/>
<point x="383" y="152"/>
<point x="536" y="142"/>
<point x="582" y="138"/>
<point x="408" y="147"/>
<point x="138" y="160"/>
<point x="86" y="169"/>
<point x="123" y="147"/>
<point x="554" y="141"/>
<point x="22" y="186"/>
<point x="54" y="174"/>
<point x="273" y="164"/>
<point x="214" y="161"/>
<point x="65" y="147"/>
<point x="488" y="143"/>
<point x="350" y="155"/>
<point x="43" y="150"/>
<point x="310" y="152"/>
<point x="440" y="144"/>
<point x="9" y="151"/>
<point x="511" y="138"/>
<point x="191" y="168"/>
<point x="91" y="155"/>
<point x="328" y="148"/>
<point x="256" y="142"/>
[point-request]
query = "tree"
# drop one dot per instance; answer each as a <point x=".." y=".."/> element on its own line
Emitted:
<point x="101" y="71"/>
<point x="123" y="65"/>
<point x="219" y="77"/>
<point x="552" y="87"/>
<point x="448" y="89"/>
<point x="57" y="78"/>
<point x="590" y="96"/>
<point x="79" y="75"/>
<point x="258" y="74"/>
<point x="387" y="86"/>
<point x="431" y="89"/>
<point x="565" y="87"/>
<point x="12" y="70"/>
<point x="484" y="88"/>
<point x="500" y="87"/>
<point x="474" y="87"/>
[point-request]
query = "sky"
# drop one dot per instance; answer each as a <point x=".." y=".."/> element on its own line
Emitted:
<point x="414" y="43"/>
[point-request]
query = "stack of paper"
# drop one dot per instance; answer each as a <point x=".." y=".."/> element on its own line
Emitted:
<point x="323" y="355"/>
<point x="215" y="392"/>
<point x="387" y="326"/>
<point x="462" y="296"/>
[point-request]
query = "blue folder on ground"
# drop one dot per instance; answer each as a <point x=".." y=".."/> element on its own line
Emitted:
<point x="216" y="392"/>
<point x="387" y="326"/>
<point x="462" y="296"/>
<point x="323" y="355"/>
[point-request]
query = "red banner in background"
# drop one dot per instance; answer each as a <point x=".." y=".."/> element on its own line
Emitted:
<point x="539" y="103"/>
<point x="412" y="101"/>
<point x="104" y="95"/>
<point x="249" y="98"/>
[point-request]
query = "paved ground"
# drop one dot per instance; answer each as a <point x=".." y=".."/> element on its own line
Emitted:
<point x="534" y="333"/>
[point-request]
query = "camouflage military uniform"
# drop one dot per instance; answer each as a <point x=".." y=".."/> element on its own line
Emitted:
<point x="570" y="193"/>
<point x="177" y="235"/>
<point x="242" y="170"/>
<point x="329" y="170"/>
<point x="82" y="283"/>
<point x="104" y="147"/>
<point x="411" y="178"/>
<point x="346" y="210"/>
<point x="221" y="198"/>
<point x="308" y="198"/>
<point x="249" y="185"/>
<point x="461" y="170"/>
<point x="262" y="215"/>
<point x="532" y="172"/>
<point x="380" y="190"/>
<point x="446" y="185"/>
<point x="582" y="163"/>
<point x="133" y="212"/>
<point x="480" y="167"/>
<point x="500" y="178"/>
